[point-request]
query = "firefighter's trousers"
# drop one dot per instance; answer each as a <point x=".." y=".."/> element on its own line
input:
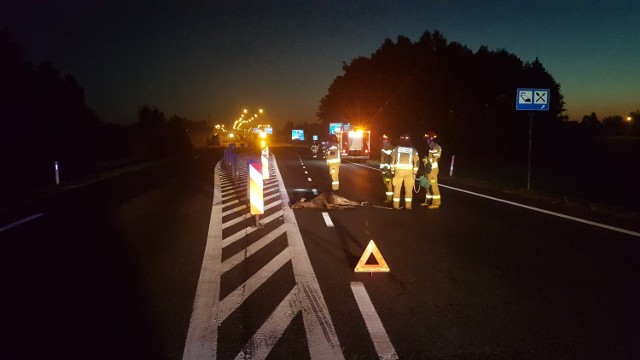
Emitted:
<point x="403" y="177"/>
<point x="334" y="171"/>
<point x="388" y="186"/>
<point x="433" y="193"/>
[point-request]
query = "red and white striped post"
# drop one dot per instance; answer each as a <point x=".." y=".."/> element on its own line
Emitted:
<point x="453" y="160"/>
<point x="265" y="163"/>
<point x="256" y="191"/>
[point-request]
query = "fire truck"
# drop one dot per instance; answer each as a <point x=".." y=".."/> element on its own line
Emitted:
<point x="355" y="142"/>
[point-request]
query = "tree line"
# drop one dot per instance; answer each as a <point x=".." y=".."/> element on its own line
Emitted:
<point x="44" y="118"/>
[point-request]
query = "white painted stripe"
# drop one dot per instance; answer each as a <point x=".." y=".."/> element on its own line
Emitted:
<point x="242" y="233"/>
<point x="231" y="202"/>
<point x="261" y="343"/>
<point x="232" y="301"/>
<point x="202" y="337"/>
<point x="276" y="195"/>
<point x="321" y="335"/>
<point x="309" y="179"/>
<point x="252" y="249"/>
<point x="327" y="219"/>
<point x="379" y="336"/>
<point x="314" y="191"/>
<point x="273" y="204"/>
<point x="588" y="222"/>
<point x="235" y="209"/>
<point x="20" y="222"/>
<point x="235" y="220"/>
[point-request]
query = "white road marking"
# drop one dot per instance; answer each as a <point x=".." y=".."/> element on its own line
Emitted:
<point x="327" y="219"/>
<point x="309" y="179"/>
<point x="20" y="222"/>
<point x="202" y="338"/>
<point x="379" y="336"/>
<point x="314" y="191"/>
<point x="232" y="301"/>
<point x="321" y="335"/>
<point x="235" y="209"/>
<point x="267" y="336"/>
<point x="588" y="222"/>
<point x="252" y="249"/>
<point x="306" y="298"/>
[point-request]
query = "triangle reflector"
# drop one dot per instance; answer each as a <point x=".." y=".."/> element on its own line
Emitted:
<point x="362" y="266"/>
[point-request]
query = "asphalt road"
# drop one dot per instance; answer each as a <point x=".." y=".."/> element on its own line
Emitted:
<point x="106" y="270"/>
<point x="477" y="278"/>
<point x="110" y="270"/>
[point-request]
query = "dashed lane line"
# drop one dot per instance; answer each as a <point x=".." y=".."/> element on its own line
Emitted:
<point x="381" y="341"/>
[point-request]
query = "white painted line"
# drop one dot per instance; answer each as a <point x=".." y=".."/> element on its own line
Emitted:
<point x="20" y="222"/>
<point x="588" y="222"/>
<point x="273" y="204"/>
<point x="321" y="335"/>
<point x="242" y="233"/>
<point x="231" y="202"/>
<point x="235" y="209"/>
<point x="314" y="191"/>
<point x="261" y="343"/>
<point x="202" y="338"/>
<point x="379" y="336"/>
<point x="235" y="220"/>
<point x="272" y="196"/>
<point x="327" y="219"/>
<point x="230" y="303"/>
<point x="309" y="179"/>
<point x="252" y="249"/>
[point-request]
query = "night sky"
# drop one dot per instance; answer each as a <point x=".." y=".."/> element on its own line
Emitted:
<point x="210" y="59"/>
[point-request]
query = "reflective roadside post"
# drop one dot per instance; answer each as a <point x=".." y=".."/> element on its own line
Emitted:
<point x="265" y="163"/>
<point x="256" y="188"/>
<point x="453" y="160"/>
<point x="56" y="168"/>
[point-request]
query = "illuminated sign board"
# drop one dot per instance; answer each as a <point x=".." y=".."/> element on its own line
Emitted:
<point x="268" y="130"/>
<point x="333" y="127"/>
<point x="297" y="134"/>
<point x="315" y="137"/>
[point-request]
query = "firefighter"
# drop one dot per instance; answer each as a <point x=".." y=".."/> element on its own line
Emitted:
<point x="432" y="199"/>
<point x="333" y="161"/>
<point x="385" y="167"/>
<point x="404" y="166"/>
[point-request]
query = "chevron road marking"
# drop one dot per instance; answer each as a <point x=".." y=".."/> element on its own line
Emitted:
<point x="209" y="311"/>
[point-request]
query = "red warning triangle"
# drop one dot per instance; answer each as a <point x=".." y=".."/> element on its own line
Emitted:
<point x="364" y="267"/>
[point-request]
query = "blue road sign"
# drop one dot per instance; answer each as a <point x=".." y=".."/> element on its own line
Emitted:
<point x="532" y="99"/>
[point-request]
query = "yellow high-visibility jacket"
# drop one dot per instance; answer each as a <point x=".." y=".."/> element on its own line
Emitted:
<point x="405" y="158"/>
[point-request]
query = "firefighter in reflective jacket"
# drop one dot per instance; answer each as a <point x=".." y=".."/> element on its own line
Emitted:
<point x="431" y="162"/>
<point x="385" y="167"/>
<point x="333" y="161"/>
<point x="404" y="166"/>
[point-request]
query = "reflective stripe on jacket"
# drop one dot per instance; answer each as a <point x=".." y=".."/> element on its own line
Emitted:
<point x="404" y="158"/>
<point x="333" y="154"/>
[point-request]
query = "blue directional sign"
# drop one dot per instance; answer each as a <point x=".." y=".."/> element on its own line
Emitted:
<point x="532" y="99"/>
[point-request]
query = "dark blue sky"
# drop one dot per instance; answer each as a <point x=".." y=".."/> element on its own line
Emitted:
<point x="210" y="59"/>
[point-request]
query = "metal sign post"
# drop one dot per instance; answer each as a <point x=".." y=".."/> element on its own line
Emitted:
<point x="532" y="100"/>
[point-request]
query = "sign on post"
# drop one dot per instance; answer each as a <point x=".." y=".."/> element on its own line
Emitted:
<point x="532" y="99"/>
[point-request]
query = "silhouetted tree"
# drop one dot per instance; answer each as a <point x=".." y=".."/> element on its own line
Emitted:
<point x="469" y="98"/>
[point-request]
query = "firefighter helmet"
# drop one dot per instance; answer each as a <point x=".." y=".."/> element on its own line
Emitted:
<point x="385" y="137"/>
<point x="405" y="140"/>
<point x="430" y="134"/>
